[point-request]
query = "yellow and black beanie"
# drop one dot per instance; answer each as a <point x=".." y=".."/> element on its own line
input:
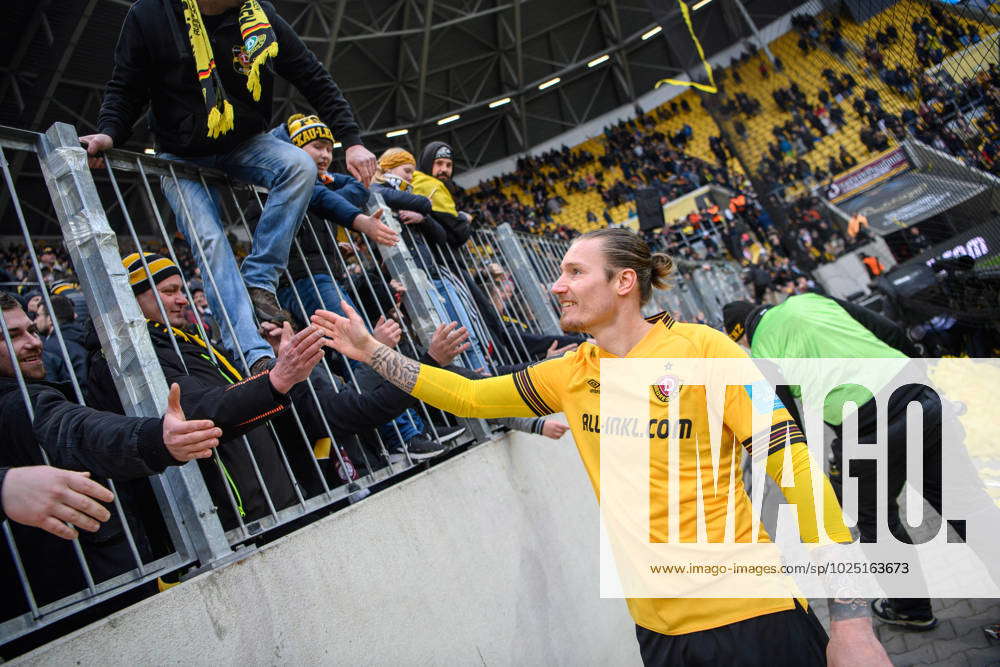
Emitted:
<point x="302" y="129"/>
<point x="161" y="267"/>
<point x="64" y="285"/>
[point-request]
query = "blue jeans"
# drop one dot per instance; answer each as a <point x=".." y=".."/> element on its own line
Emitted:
<point x="328" y="298"/>
<point x="409" y="424"/>
<point x="289" y="175"/>
<point x="453" y="310"/>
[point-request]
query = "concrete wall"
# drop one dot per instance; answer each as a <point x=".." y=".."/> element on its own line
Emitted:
<point x="490" y="558"/>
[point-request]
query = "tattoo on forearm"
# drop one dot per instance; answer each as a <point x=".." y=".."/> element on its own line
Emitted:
<point x="844" y="608"/>
<point x="394" y="367"/>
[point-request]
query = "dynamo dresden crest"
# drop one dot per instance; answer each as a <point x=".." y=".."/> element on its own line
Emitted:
<point x="666" y="387"/>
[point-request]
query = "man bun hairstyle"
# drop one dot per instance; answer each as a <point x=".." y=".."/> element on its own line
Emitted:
<point x="662" y="267"/>
<point x="624" y="249"/>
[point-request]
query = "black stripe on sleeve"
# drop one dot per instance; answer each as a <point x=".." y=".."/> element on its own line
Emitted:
<point x="782" y="433"/>
<point x="526" y="388"/>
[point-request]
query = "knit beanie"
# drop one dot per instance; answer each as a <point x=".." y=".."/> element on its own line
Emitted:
<point x="433" y="151"/>
<point x="302" y="129"/>
<point x="395" y="157"/>
<point x="161" y="267"/>
<point x="734" y="317"/>
<point x="64" y="285"/>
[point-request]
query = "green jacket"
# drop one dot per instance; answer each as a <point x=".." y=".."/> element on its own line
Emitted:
<point x="810" y="326"/>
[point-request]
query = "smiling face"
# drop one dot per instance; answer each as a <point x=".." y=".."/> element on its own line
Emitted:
<point x="321" y="151"/>
<point x="587" y="297"/>
<point x="27" y="347"/>
<point x="174" y="302"/>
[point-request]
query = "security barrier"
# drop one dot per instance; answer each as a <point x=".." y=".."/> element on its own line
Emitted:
<point x="497" y="285"/>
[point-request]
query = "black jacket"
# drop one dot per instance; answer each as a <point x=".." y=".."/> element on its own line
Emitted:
<point x="244" y="407"/>
<point x="77" y="437"/>
<point x="73" y="336"/>
<point x="238" y="409"/>
<point x="154" y="66"/>
<point x="74" y="437"/>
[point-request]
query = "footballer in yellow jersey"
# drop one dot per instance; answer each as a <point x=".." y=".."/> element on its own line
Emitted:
<point x="606" y="276"/>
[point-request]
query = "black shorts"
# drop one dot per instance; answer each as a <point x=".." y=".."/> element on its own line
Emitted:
<point x="791" y="637"/>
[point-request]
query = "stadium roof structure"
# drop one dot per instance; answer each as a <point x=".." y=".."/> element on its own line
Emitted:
<point x="431" y="67"/>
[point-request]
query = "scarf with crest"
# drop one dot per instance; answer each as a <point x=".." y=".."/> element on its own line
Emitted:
<point x="259" y="44"/>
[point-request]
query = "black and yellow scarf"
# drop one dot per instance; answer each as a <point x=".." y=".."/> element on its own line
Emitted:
<point x="231" y="375"/>
<point x="259" y="43"/>
<point x="224" y="366"/>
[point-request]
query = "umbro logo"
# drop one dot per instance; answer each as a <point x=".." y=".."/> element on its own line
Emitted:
<point x="595" y="386"/>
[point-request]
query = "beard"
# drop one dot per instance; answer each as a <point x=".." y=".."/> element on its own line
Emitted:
<point x="35" y="371"/>
<point x="568" y="325"/>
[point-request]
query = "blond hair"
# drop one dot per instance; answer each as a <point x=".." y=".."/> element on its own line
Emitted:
<point x="622" y="249"/>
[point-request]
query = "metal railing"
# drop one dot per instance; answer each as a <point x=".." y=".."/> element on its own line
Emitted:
<point x="301" y="460"/>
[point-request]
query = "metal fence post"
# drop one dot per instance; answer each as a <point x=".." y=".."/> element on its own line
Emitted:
<point x="187" y="506"/>
<point x="528" y="281"/>
<point x="401" y="265"/>
<point x="417" y="299"/>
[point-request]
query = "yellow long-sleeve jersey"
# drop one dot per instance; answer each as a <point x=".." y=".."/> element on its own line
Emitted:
<point x="571" y="384"/>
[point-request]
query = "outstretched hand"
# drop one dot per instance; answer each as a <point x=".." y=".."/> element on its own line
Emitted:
<point x="553" y="429"/>
<point x="373" y="227"/>
<point x="346" y="335"/>
<point x="448" y="342"/>
<point x="298" y="354"/>
<point x="187" y="439"/>
<point x="387" y="331"/>
<point x="55" y="500"/>
<point x="555" y="351"/>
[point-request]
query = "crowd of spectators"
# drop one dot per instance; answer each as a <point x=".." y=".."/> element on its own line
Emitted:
<point x="251" y="375"/>
<point x="269" y="413"/>
<point x="646" y="156"/>
<point x="375" y="424"/>
<point x="960" y="117"/>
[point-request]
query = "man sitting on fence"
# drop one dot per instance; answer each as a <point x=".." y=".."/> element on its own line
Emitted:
<point x="217" y="115"/>
<point x="431" y="180"/>
<point x="77" y="438"/>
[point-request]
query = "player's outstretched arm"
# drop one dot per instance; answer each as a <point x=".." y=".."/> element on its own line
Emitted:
<point x="349" y="336"/>
<point x="485" y="398"/>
